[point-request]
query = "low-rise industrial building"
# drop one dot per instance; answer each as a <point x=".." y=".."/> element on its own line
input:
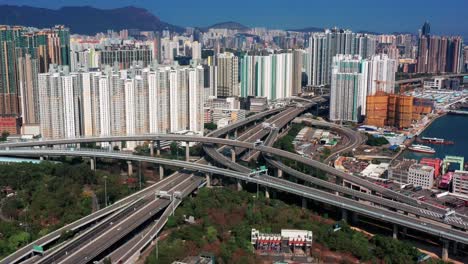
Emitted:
<point x="421" y="175"/>
<point x="289" y="244"/>
<point x="460" y="183"/>
<point x="398" y="171"/>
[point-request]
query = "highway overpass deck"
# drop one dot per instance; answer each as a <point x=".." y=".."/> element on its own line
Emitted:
<point x="210" y="140"/>
<point x="283" y="185"/>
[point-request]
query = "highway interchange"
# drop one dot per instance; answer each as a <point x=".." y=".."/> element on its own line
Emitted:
<point x="390" y="206"/>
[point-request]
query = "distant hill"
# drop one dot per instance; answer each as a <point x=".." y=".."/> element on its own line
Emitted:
<point x="229" y="25"/>
<point x="307" y="29"/>
<point x="84" y="19"/>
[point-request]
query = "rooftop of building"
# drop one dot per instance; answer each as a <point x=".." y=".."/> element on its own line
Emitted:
<point x="422" y="167"/>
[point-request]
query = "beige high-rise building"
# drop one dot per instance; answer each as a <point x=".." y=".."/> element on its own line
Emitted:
<point x="28" y="69"/>
<point x="228" y="75"/>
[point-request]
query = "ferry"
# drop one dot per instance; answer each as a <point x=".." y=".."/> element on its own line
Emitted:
<point x="422" y="149"/>
<point x="434" y="140"/>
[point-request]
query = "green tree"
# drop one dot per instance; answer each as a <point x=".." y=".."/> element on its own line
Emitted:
<point x="5" y="135"/>
<point x="211" y="126"/>
<point x="174" y="148"/>
<point x="211" y="234"/>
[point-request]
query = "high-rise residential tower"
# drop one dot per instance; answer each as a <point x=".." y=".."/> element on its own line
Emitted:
<point x="348" y="88"/>
<point x="227" y="75"/>
<point x="155" y="99"/>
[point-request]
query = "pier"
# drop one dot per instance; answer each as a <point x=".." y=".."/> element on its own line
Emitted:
<point x="458" y="112"/>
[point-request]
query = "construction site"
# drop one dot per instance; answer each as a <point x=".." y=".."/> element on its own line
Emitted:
<point x="395" y="110"/>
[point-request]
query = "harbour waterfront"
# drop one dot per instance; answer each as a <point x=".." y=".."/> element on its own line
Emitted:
<point x="449" y="127"/>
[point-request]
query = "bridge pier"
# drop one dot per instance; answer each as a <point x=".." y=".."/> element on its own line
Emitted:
<point x="344" y="214"/>
<point x="395" y="231"/>
<point x="91" y="164"/>
<point x="354" y="218"/>
<point x="161" y="172"/>
<point x="158" y="148"/>
<point x="233" y="155"/>
<point x="304" y="203"/>
<point x="267" y="193"/>
<point x="151" y="147"/>
<point x="239" y="185"/>
<point x="41" y="158"/>
<point x="208" y="179"/>
<point x="187" y="151"/>
<point x="279" y="173"/>
<point x="338" y="181"/>
<point x="445" y="248"/>
<point x="235" y="133"/>
<point x="130" y="168"/>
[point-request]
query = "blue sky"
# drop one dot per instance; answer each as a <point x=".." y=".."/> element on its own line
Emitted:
<point x="446" y="16"/>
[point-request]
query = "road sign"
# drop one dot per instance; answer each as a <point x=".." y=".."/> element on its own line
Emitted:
<point x="38" y="249"/>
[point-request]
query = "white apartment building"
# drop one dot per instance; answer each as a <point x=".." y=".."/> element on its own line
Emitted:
<point x="156" y="99"/>
<point x="421" y="175"/>
<point x="268" y="76"/>
<point x="460" y="183"/>
<point x="348" y="88"/>
<point x="353" y="79"/>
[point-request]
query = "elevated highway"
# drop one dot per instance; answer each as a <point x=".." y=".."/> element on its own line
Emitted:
<point x="399" y="82"/>
<point x="10" y="148"/>
<point x="286" y="186"/>
<point x="87" y="220"/>
<point x="26" y="251"/>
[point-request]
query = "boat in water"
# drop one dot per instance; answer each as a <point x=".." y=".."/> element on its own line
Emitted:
<point x="434" y="140"/>
<point x="422" y="149"/>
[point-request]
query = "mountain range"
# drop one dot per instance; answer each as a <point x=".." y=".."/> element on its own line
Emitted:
<point x="90" y="20"/>
<point x="84" y="19"/>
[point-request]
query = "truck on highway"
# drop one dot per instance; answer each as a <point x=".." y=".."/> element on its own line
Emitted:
<point x="164" y="195"/>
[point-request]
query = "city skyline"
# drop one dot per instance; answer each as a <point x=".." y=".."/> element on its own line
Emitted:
<point x="378" y="18"/>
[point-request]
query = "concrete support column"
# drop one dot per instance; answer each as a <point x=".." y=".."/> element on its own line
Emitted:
<point x="235" y="133"/>
<point x="151" y="147"/>
<point x="354" y="218"/>
<point x="279" y="173"/>
<point x="445" y="248"/>
<point x="208" y="179"/>
<point x="161" y="172"/>
<point x="158" y="148"/>
<point x="91" y="164"/>
<point x="130" y="168"/>
<point x="395" y="231"/>
<point x="304" y="203"/>
<point x="338" y="181"/>
<point x="404" y="231"/>
<point x="187" y="151"/>
<point x="267" y="193"/>
<point x="233" y="155"/>
<point x="344" y="214"/>
<point x="239" y="185"/>
<point x="227" y="136"/>
<point x="41" y="158"/>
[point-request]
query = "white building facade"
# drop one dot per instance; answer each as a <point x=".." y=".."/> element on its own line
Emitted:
<point x="156" y="99"/>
